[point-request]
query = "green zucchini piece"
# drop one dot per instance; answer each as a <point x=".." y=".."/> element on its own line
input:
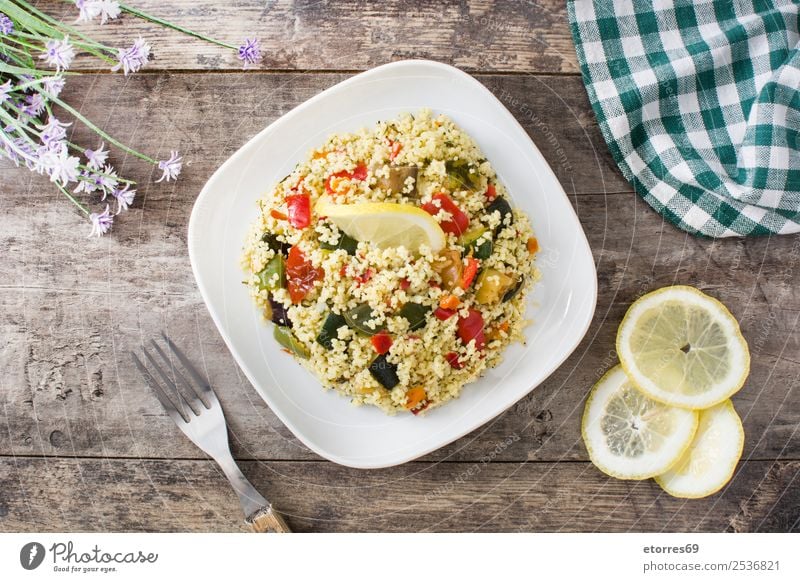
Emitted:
<point x="415" y="314"/>
<point x="511" y="293"/>
<point x="384" y="372"/>
<point x="345" y="242"/>
<point x="330" y="329"/>
<point x="274" y="266"/>
<point x="285" y="337"/>
<point x="501" y="205"/>
<point x="358" y="317"/>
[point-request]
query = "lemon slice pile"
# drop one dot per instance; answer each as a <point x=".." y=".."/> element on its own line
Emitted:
<point x="664" y="412"/>
<point x="385" y="224"/>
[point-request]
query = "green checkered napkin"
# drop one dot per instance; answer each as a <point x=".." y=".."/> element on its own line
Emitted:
<point x="699" y="102"/>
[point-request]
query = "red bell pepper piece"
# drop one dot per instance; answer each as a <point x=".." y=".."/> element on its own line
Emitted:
<point x="277" y="214"/>
<point x="360" y="173"/>
<point x="299" y="206"/>
<point x="469" y="272"/>
<point x="395" y="146"/>
<point x="471" y="328"/>
<point x="458" y="222"/>
<point x="443" y="314"/>
<point x="405" y="284"/>
<point x="491" y="192"/>
<point x="381" y="342"/>
<point x="300" y="275"/>
<point x="452" y="359"/>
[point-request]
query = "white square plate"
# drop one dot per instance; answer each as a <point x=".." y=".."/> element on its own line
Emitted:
<point x="561" y="306"/>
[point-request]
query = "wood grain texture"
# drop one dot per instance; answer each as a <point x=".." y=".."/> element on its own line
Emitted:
<point x="134" y="495"/>
<point x="476" y="35"/>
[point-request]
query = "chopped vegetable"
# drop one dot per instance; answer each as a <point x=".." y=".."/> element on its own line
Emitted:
<point x="471" y="328"/>
<point x="299" y="206"/>
<point x="459" y="176"/>
<point x="395" y="147"/>
<point x="300" y="275"/>
<point x="469" y="272"/>
<point x="364" y="277"/>
<point x="491" y="192"/>
<point x="449" y="302"/>
<point x="358" y="317"/>
<point x="415" y="396"/>
<point x="384" y="372"/>
<point x="443" y="314"/>
<point x="332" y="181"/>
<point x="345" y="242"/>
<point x="360" y="173"/>
<point x="330" y="329"/>
<point x="396" y="180"/>
<point x="502" y="206"/>
<point x="469" y="240"/>
<point x="452" y="359"/>
<point x="415" y="314"/>
<point x="458" y="221"/>
<point x="511" y="293"/>
<point x="278" y="313"/>
<point x="285" y="337"/>
<point x="532" y="245"/>
<point x="277" y="214"/>
<point x="273" y="275"/>
<point x="381" y="342"/>
<point x="405" y="284"/>
<point x="274" y="244"/>
<point x="421" y="407"/>
<point x="492" y="286"/>
<point x="448" y="266"/>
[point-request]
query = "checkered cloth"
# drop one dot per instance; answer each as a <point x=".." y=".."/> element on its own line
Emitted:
<point x="699" y="102"/>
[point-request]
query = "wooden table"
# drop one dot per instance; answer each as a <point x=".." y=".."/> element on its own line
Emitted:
<point x="86" y="446"/>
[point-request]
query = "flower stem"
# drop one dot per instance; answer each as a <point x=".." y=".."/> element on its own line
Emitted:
<point x="177" y="27"/>
<point x="78" y="115"/>
<point x="72" y="198"/>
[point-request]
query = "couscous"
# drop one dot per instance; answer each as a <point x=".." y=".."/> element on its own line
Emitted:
<point x="392" y="263"/>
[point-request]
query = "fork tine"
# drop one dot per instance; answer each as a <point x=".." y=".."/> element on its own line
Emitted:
<point x="163" y="397"/>
<point x="178" y="374"/>
<point x="205" y="387"/>
<point x="170" y="384"/>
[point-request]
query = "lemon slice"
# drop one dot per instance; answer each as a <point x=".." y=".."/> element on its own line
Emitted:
<point x="711" y="459"/>
<point x="631" y="436"/>
<point x="682" y="347"/>
<point x="385" y="224"/>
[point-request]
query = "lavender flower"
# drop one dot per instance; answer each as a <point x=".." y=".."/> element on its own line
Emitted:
<point x="60" y="166"/>
<point x="96" y="157"/>
<point x="5" y="89"/>
<point x="134" y="58"/>
<point x="58" y="53"/>
<point x="170" y="167"/>
<point x="250" y="52"/>
<point x="53" y="85"/>
<point x="105" y="9"/>
<point x="124" y="197"/>
<point x="6" y="24"/>
<point x="101" y="223"/>
<point x="105" y="181"/>
<point x="54" y="132"/>
<point x="34" y="105"/>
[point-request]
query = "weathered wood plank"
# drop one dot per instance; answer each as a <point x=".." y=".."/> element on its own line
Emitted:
<point x="145" y="495"/>
<point x="484" y="35"/>
<point x="209" y="116"/>
<point x="71" y="312"/>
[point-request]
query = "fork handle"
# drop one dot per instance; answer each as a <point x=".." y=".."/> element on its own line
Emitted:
<point x="267" y="520"/>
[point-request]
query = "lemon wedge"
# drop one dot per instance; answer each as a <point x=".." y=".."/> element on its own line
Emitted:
<point x="711" y="459"/>
<point x="631" y="436"/>
<point x="385" y="224"/>
<point x="682" y="347"/>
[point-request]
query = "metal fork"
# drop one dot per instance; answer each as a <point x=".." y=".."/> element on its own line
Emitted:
<point x="198" y="413"/>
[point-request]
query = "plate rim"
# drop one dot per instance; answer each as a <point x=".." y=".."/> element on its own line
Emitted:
<point x="288" y="116"/>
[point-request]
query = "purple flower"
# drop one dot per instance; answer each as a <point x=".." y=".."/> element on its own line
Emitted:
<point x="250" y="52"/>
<point x="6" y="24"/>
<point x="5" y="89"/>
<point x="34" y="105"/>
<point x="124" y="197"/>
<point x="58" y="164"/>
<point x="17" y="148"/>
<point x="96" y="157"/>
<point x="105" y="181"/>
<point x="58" y="53"/>
<point x="170" y="167"/>
<point x="101" y="223"/>
<point x="54" y="85"/>
<point x="54" y="132"/>
<point x="105" y="9"/>
<point x="134" y="58"/>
